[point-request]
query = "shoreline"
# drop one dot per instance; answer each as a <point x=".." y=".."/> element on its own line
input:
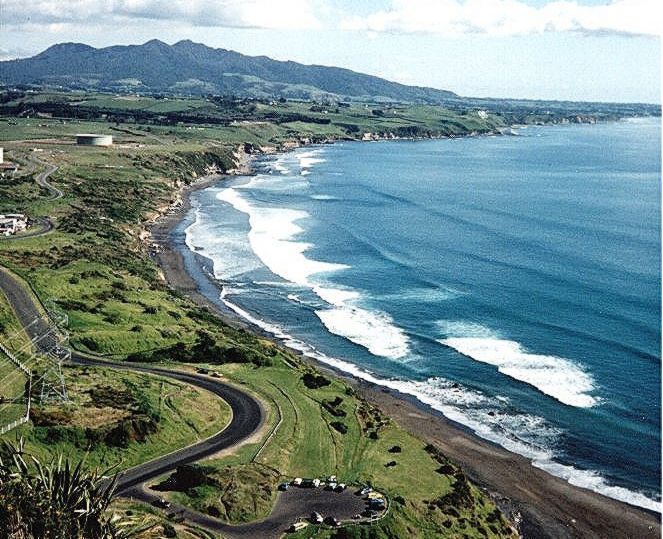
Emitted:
<point x="543" y="505"/>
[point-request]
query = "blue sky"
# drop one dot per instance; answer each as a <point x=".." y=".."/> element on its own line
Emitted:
<point x="580" y="50"/>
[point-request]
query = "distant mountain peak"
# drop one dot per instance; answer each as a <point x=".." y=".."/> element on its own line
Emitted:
<point x="188" y="43"/>
<point x="171" y="68"/>
<point x="66" y="48"/>
<point x="156" y="43"/>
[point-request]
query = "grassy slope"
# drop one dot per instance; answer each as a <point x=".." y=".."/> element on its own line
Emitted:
<point x="96" y="269"/>
<point x="103" y="400"/>
<point x="305" y="445"/>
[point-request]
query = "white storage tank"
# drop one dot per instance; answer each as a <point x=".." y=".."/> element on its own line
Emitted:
<point x="90" y="139"/>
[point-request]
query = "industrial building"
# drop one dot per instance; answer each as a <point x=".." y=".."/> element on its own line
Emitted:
<point x="90" y="139"/>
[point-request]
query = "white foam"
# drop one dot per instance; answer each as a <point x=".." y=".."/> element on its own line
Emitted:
<point x="336" y="296"/>
<point x="373" y="330"/>
<point x="280" y="167"/>
<point x="309" y="158"/>
<point x="557" y="377"/>
<point x="273" y="239"/>
<point x="228" y="251"/>
<point x="324" y="197"/>
<point x="592" y="480"/>
<point x="488" y="417"/>
<point x="424" y="295"/>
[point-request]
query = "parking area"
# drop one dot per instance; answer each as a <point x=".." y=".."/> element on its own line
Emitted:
<point x="296" y="505"/>
<point x="301" y="503"/>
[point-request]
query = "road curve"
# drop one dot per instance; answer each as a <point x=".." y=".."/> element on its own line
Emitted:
<point x="247" y="413"/>
<point x="45" y="226"/>
<point x="45" y="223"/>
<point x="247" y="417"/>
<point x="42" y="178"/>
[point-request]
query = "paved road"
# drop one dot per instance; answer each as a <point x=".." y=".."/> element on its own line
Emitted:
<point x="42" y="178"/>
<point x="293" y="505"/>
<point x="247" y="413"/>
<point x="45" y="223"/>
<point x="247" y="417"/>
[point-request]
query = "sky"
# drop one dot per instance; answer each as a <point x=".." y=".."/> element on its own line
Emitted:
<point x="589" y="50"/>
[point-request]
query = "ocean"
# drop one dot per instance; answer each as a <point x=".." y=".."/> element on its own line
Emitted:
<point x="510" y="282"/>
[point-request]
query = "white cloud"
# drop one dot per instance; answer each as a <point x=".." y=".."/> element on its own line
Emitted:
<point x="287" y="14"/>
<point x="12" y="53"/>
<point x="511" y="17"/>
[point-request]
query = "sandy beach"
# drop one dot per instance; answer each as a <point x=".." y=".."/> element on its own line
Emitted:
<point x="542" y="505"/>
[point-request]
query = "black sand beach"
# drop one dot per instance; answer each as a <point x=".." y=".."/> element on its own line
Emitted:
<point x="544" y="506"/>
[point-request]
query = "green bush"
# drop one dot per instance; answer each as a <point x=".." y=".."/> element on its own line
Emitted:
<point x="340" y="427"/>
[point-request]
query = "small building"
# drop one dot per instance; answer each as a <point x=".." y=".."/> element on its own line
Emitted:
<point x="7" y="169"/>
<point x="12" y="223"/>
<point x="91" y="139"/>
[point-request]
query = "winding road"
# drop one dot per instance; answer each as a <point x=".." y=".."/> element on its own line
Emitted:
<point x="247" y="417"/>
<point x="247" y="412"/>
<point x="45" y="223"/>
<point x="42" y="178"/>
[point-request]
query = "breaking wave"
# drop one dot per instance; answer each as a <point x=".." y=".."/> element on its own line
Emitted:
<point x="273" y="239"/>
<point x="491" y="418"/>
<point x="557" y="377"/>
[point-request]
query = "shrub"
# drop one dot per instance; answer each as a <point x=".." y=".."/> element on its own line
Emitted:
<point x="315" y="381"/>
<point x="340" y="427"/>
<point x="55" y="499"/>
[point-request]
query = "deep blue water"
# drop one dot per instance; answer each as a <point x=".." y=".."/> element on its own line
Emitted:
<point x="512" y="283"/>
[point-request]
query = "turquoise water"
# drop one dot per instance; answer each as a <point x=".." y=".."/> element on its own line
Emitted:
<point x="512" y="283"/>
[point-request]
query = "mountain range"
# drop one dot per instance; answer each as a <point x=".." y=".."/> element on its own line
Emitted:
<point x="194" y="68"/>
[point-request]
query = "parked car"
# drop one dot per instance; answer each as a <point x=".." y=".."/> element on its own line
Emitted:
<point x="365" y="491"/>
<point x="376" y="503"/>
<point x="341" y="487"/>
<point x="297" y="526"/>
<point x="284" y="486"/>
<point x="164" y="504"/>
<point x="297" y="481"/>
<point x="331" y="521"/>
<point x="316" y="517"/>
<point x="311" y="483"/>
<point x="331" y="486"/>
